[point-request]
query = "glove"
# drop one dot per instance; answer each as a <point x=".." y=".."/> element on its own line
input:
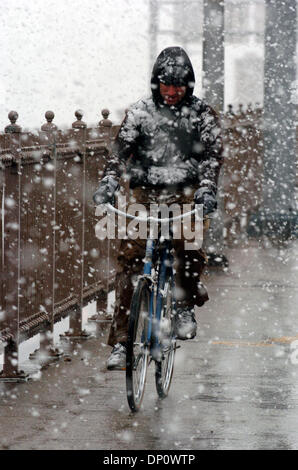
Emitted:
<point x="206" y="197"/>
<point x="106" y="191"/>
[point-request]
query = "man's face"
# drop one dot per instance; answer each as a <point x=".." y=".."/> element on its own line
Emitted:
<point x="172" y="94"/>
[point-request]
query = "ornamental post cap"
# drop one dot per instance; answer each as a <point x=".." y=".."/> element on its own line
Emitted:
<point x="105" y="113"/>
<point x="79" y="114"/>
<point x="79" y="124"/>
<point x="49" y="115"/>
<point x="49" y="125"/>
<point x="13" y="128"/>
<point x="13" y="116"/>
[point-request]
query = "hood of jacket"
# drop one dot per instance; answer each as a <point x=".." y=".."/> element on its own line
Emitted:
<point x="172" y="67"/>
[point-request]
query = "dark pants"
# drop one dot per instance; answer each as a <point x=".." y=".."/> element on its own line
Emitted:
<point x="188" y="264"/>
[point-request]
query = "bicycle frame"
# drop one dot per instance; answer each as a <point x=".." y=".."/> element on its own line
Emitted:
<point x="155" y="308"/>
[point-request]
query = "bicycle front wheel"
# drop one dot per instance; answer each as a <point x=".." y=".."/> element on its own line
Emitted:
<point x="137" y="349"/>
<point x="164" y="368"/>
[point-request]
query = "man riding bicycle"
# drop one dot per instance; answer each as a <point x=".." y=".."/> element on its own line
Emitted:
<point x="171" y="149"/>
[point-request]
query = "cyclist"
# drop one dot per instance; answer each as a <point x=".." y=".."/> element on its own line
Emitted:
<point x="171" y="149"/>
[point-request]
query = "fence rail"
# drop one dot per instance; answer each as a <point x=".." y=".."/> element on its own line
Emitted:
<point x="51" y="262"/>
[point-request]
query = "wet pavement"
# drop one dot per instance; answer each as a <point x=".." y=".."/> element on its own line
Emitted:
<point x="235" y="386"/>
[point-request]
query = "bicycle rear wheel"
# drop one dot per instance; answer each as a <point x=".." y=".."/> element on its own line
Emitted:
<point x="164" y="368"/>
<point x="137" y="349"/>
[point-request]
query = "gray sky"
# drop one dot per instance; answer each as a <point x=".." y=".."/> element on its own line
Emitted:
<point x="69" y="54"/>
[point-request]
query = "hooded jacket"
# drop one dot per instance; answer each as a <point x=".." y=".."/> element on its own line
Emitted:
<point x="163" y="146"/>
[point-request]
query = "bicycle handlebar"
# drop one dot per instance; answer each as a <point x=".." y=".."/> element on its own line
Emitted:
<point x="150" y="218"/>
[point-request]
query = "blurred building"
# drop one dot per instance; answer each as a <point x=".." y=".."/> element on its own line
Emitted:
<point x="181" y="22"/>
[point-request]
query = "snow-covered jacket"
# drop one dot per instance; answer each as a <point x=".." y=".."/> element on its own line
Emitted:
<point x="160" y="145"/>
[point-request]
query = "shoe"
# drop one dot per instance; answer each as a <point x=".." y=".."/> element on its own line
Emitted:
<point x="185" y="325"/>
<point x="202" y="295"/>
<point x="117" y="359"/>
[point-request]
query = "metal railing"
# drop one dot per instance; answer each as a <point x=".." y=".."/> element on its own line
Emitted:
<point x="51" y="261"/>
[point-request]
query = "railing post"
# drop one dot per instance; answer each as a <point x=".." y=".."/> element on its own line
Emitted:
<point x="105" y="124"/>
<point x="47" y="350"/>
<point x="101" y="316"/>
<point x="49" y="126"/>
<point x="80" y="128"/>
<point x="105" y="127"/>
<point x="11" y="255"/>
<point x="10" y="365"/>
<point x="76" y="331"/>
<point x="79" y="124"/>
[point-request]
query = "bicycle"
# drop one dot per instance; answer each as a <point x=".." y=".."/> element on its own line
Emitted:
<point x="151" y="330"/>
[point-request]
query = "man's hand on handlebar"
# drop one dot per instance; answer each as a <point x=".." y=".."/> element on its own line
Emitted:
<point x="106" y="191"/>
<point x="206" y="197"/>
